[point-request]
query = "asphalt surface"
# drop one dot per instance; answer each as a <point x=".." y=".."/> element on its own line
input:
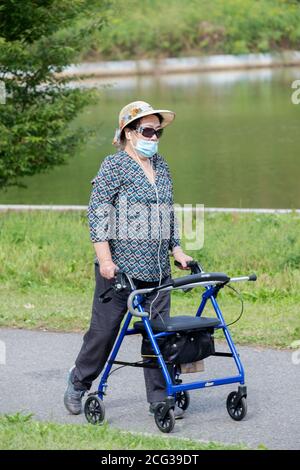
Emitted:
<point x="34" y="377"/>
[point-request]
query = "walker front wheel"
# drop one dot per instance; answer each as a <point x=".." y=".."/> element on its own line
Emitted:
<point x="165" y="424"/>
<point x="236" y="407"/>
<point x="94" y="410"/>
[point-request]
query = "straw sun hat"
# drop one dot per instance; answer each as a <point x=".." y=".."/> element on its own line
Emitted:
<point x="137" y="110"/>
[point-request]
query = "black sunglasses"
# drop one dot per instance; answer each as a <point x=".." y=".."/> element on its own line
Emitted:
<point x="149" y="132"/>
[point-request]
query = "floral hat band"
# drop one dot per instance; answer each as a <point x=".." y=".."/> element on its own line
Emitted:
<point x="137" y="110"/>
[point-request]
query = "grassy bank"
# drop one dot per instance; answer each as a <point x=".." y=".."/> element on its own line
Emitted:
<point x="196" y="27"/>
<point x="47" y="273"/>
<point x="20" y="432"/>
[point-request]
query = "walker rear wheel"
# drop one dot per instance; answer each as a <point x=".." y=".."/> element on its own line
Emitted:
<point x="182" y="400"/>
<point x="94" y="410"/>
<point x="167" y="423"/>
<point x="236" y="407"/>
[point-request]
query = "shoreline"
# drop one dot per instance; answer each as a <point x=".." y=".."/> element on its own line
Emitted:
<point x="182" y="65"/>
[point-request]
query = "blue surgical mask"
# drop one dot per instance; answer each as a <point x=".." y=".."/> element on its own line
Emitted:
<point x="146" y="148"/>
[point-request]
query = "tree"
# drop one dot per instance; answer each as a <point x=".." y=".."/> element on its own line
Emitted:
<point x="38" y="38"/>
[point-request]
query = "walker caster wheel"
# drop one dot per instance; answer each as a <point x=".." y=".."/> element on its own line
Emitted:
<point x="182" y="400"/>
<point x="167" y="423"/>
<point x="236" y="406"/>
<point x="94" y="410"/>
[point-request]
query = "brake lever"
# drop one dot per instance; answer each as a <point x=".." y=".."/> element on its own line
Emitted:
<point x="119" y="285"/>
<point x="195" y="267"/>
<point x="120" y="282"/>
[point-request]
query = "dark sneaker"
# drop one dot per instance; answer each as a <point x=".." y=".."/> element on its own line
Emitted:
<point x="178" y="412"/>
<point x="73" y="397"/>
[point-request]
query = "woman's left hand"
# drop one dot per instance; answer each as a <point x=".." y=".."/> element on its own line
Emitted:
<point x="182" y="258"/>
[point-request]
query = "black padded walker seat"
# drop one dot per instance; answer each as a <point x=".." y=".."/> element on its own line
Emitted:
<point x="180" y="323"/>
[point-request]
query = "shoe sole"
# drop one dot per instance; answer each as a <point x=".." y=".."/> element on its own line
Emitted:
<point x="176" y="417"/>
<point x="73" y="412"/>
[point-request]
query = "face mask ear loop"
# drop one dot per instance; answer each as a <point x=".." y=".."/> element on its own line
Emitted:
<point x="133" y="148"/>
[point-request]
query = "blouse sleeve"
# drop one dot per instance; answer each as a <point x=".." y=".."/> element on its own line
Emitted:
<point x="101" y="210"/>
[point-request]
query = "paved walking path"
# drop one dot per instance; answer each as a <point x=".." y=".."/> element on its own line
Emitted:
<point x="33" y="380"/>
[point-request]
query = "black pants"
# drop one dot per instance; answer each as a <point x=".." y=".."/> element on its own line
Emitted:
<point x="103" y="331"/>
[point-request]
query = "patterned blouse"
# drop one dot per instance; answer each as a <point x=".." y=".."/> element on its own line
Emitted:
<point x="123" y="210"/>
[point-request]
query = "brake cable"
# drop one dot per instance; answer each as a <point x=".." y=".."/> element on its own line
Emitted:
<point x="242" y="302"/>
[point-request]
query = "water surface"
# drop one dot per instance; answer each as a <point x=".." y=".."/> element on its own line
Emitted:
<point x="235" y="141"/>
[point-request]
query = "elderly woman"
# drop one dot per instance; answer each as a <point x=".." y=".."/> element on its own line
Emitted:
<point x="135" y="177"/>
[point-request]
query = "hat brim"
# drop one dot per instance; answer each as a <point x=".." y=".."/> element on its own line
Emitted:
<point x="168" y="117"/>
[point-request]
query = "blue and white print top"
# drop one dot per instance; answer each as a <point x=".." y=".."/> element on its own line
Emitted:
<point x="123" y="210"/>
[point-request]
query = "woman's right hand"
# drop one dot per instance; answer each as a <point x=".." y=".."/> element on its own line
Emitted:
<point x="108" y="269"/>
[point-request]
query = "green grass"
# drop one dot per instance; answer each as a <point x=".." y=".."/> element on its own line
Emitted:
<point x="47" y="273"/>
<point x="196" y="27"/>
<point x="20" y="432"/>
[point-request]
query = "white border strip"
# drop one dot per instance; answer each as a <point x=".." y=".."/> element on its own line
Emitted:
<point x="182" y="64"/>
<point x="33" y="207"/>
<point x="255" y="211"/>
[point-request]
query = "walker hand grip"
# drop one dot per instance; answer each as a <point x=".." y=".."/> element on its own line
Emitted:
<point x="205" y="277"/>
<point x="119" y="284"/>
<point x="194" y="269"/>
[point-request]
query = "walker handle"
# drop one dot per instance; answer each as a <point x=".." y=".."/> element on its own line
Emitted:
<point x="251" y="277"/>
<point x="201" y="277"/>
<point x="119" y="284"/>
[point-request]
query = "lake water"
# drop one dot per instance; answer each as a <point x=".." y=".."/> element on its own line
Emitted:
<point x="235" y="141"/>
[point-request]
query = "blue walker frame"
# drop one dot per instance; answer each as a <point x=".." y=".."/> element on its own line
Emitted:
<point x="172" y="389"/>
